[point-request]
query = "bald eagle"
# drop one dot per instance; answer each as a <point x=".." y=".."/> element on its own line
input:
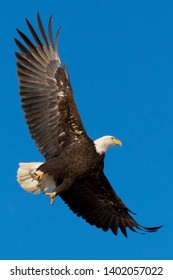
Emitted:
<point x="73" y="167"/>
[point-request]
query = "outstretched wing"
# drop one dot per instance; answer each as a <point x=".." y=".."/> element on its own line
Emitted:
<point x="95" y="201"/>
<point x="46" y="94"/>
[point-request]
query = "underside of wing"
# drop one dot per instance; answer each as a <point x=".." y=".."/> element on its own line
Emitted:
<point x="46" y="94"/>
<point x="95" y="201"/>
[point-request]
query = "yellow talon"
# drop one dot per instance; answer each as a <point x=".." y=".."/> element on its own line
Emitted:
<point x="52" y="197"/>
<point x="37" y="175"/>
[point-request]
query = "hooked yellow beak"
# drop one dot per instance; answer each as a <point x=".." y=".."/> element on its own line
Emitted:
<point x="117" y="142"/>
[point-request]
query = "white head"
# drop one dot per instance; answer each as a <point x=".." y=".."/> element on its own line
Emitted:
<point x="102" y="144"/>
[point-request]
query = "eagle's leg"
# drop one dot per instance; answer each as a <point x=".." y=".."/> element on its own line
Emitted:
<point x="52" y="196"/>
<point x="57" y="191"/>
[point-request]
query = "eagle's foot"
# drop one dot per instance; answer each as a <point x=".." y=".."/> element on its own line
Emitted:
<point x="52" y="197"/>
<point x="37" y="175"/>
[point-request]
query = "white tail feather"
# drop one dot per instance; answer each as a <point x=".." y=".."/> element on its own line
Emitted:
<point x="26" y="181"/>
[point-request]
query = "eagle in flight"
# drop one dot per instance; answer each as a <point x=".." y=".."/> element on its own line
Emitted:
<point x="73" y="167"/>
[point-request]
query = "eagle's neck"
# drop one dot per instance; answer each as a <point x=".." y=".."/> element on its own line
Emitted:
<point x="103" y="144"/>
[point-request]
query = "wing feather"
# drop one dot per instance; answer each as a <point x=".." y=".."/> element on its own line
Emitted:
<point x="50" y="32"/>
<point x="95" y="201"/>
<point x="34" y="34"/>
<point x="42" y="30"/>
<point x="46" y="94"/>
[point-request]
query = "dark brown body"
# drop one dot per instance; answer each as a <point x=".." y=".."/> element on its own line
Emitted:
<point x="76" y="162"/>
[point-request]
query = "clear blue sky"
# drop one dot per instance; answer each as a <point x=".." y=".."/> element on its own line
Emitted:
<point x="120" y="59"/>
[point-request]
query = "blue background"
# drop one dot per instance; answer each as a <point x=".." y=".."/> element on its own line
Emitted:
<point x="120" y="59"/>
